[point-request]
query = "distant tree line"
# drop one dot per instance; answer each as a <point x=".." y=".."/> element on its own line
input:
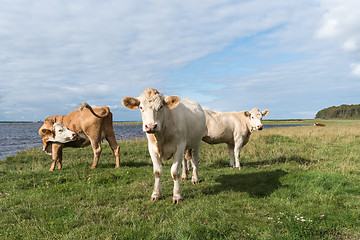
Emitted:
<point x="341" y="112"/>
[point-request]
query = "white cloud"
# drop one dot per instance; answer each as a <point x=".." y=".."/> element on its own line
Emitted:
<point x="356" y="69"/>
<point x="329" y="29"/>
<point x="61" y="53"/>
<point x="351" y="45"/>
<point x="341" y="23"/>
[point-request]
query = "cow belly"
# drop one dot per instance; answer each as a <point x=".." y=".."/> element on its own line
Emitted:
<point x="82" y="141"/>
<point x="214" y="140"/>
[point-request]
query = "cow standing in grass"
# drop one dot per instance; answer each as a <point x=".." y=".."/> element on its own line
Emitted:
<point x="233" y="128"/>
<point x="87" y="125"/>
<point x="171" y="126"/>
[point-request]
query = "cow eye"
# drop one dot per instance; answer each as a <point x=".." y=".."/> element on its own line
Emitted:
<point x="60" y="130"/>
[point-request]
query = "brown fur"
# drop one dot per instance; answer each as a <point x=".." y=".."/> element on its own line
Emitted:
<point x="94" y="123"/>
<point x="171" y="101"/>
<point x="131" y="103"/>
<point x="105" y="110"/>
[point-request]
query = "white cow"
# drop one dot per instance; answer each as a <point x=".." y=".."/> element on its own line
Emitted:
<point x="232" y="128"/>
<point x="171" y="126"/>
<point x="62" y="134"/>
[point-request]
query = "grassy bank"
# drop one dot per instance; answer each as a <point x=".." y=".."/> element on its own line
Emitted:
<point x="296" y="183"/>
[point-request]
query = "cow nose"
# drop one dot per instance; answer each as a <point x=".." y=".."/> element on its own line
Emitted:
<point x="150" y="127"/>
<point x="74" y="135"/>
<point x="260" y="127"/>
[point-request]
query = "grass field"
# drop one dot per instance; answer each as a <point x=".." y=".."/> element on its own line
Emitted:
<point x="295" y="183"/>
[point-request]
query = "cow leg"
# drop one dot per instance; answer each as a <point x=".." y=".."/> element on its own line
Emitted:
<point x="157" y="173"/>
<point x="96" y="146"/>
<point x="194" y="162"/>
<point x="115" y="148"/>
<point x="184" y="169"/>
<point x="59" y="160"/>
<point x="175" y="173"/>
<point x="237" y="150"/>
<point x="56" y="156"/>
<point x="186" y="164"/>
<point x="231" y="154"/>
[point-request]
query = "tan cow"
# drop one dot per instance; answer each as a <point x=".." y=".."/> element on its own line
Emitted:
<point x="171" y="126"/>
<point x="89" y="125"/>
<point x="232" y="128"/>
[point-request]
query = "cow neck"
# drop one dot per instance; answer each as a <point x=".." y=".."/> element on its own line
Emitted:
<point x="249" y="127"/>
<point x="159" y="138"/>
<point x="247" y="123"/>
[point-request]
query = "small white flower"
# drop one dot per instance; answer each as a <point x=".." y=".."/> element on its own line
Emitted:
<point x="303" y="220"/>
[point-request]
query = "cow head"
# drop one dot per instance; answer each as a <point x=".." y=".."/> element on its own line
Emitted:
<point x="152" y="105"/>
<point x="55" y="132"/>
<point x="255" y="116"/>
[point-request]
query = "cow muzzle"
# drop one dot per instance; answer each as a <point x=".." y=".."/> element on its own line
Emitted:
<point x="74" y="136"/>
<point x="260" y="127"/>
<point x="150" y="128"/>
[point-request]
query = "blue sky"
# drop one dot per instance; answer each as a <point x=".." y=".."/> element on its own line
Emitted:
<point x="291" y="57"/>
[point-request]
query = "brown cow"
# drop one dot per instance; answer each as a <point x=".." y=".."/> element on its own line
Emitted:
<point x="89" y="125"/>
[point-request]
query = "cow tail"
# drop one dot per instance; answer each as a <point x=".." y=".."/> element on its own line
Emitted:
<point x="86" y="105"/>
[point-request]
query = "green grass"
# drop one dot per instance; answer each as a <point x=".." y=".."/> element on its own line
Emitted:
<point x="295" y="183"/>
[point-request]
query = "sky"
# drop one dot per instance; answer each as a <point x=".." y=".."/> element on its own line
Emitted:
<point x="291" y="57"/>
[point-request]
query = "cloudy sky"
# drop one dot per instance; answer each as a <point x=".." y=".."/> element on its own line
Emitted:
<point x="291" y="57"/>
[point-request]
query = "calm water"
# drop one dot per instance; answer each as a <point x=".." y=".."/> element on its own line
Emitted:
<point x="15" y="137"/>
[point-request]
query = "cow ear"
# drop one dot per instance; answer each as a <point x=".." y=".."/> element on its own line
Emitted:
<point x="46" y="131"/>
<point x="130" y="103"/>
<point x="265" y="112"/>
<point x="171" y="101"/>
<point x="247" y="113"/>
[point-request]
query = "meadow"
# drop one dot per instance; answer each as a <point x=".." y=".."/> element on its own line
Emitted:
<point x="295" y="183"/>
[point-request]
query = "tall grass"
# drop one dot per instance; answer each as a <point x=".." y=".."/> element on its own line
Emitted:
<point x="295" y="183"/>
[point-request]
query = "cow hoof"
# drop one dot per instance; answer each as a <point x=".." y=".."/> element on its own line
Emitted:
<point x="195" y="182"/>
<point x="154" y="198"/>
<point x="183" y="178"/>
<point x="177" y="201"/>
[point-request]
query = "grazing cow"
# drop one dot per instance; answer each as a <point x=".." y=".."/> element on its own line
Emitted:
<point x="319" y="125"/>
<point x="171" y="126"/>
<point x="232" y="128"/>
<point x="86" y="126"/>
